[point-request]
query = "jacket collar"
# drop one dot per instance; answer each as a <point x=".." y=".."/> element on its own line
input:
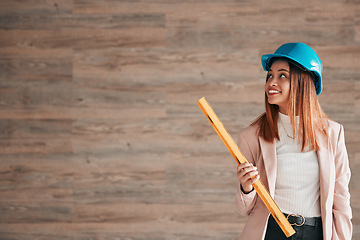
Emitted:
<point x="326" y="169"/>
<point x="268" y="150"/>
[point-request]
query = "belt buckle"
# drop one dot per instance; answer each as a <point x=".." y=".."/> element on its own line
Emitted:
<point x="296" y="215"/>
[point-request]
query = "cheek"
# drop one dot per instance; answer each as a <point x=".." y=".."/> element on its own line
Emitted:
<point x="288" y="88"/>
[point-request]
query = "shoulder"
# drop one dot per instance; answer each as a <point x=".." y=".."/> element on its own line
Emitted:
<point x="334" y="129"/>
<point x="335" y="134"/>
<point x="334" y="126"/>
<point x="250" y="134"/>
<point x="250" y="131"/>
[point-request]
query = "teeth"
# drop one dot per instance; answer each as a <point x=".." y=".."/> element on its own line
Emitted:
<point x="274" y="91"/>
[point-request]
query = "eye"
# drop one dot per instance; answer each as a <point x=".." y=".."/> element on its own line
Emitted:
<point x="268" y="76"/>
<point x="282" y="75"/>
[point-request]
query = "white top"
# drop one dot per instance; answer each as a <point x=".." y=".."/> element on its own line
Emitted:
<point x="297" y="187"/>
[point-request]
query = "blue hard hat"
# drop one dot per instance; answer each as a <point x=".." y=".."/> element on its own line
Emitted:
<point x="301" y="54"/>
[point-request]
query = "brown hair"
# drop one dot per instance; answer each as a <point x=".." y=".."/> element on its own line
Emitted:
<point x="303" y="103"/>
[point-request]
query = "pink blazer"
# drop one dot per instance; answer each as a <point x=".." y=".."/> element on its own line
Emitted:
<point x="334" y="180"/>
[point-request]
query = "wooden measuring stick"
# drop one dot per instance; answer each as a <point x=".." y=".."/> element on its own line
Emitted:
<point x="239" y="157"/>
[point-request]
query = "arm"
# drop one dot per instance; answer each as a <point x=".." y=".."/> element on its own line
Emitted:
<point x="245" y="201"/>
<point x="342" y="214"/>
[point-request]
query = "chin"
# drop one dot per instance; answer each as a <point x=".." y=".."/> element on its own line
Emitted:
<point x="272" y="102"/>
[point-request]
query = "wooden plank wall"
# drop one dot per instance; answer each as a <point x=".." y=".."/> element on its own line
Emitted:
<point x="100" y="134"/>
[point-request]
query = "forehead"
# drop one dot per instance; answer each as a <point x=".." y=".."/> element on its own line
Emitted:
<point x="280" y="64"/>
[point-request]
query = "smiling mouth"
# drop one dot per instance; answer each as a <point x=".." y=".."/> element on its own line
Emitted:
<point x="272" y="92"/>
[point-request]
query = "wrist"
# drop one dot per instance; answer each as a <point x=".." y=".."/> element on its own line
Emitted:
<point x="246" y="191"/>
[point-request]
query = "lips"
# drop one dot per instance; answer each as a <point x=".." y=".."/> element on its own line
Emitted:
<point x="273" y="92"/>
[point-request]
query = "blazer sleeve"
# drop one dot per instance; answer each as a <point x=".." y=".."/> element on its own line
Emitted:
<point x="245" y="202"/>
<point x="342" y="214"/>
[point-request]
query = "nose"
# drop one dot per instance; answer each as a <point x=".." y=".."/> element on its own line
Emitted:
<point x="272" y="82"/>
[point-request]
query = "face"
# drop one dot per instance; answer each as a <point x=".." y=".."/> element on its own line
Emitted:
<point x="277" y="86"/>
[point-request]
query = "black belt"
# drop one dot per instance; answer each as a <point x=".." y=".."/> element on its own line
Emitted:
<point x="298" y="220"/>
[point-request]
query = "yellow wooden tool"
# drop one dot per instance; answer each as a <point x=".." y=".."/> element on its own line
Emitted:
<point x="239" y="157"/>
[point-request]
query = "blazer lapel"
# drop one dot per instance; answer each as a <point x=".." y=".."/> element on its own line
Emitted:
<point x="326" y="168"/>
<point x="269" y="157"/>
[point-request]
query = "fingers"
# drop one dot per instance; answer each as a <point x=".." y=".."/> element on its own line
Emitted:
<point x="247" y="175"/>
<point x="254" y="178"/>
<point x="247" y="169"/>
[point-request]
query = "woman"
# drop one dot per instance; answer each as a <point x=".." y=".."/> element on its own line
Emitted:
<point x="297" y="152"/>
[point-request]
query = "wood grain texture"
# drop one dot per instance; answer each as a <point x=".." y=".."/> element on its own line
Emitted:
<point x="100" y="134"/>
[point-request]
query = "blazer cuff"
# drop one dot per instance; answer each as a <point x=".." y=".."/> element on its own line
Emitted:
<point x="245" y="202"/>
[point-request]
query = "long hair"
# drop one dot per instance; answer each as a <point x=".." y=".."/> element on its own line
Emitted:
<point x="303" y="103"/>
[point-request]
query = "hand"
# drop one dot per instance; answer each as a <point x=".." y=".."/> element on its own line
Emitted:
<point x="247" y="175"/>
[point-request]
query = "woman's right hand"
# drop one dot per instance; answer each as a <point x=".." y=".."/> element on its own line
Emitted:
<point x="247" y="175"/>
